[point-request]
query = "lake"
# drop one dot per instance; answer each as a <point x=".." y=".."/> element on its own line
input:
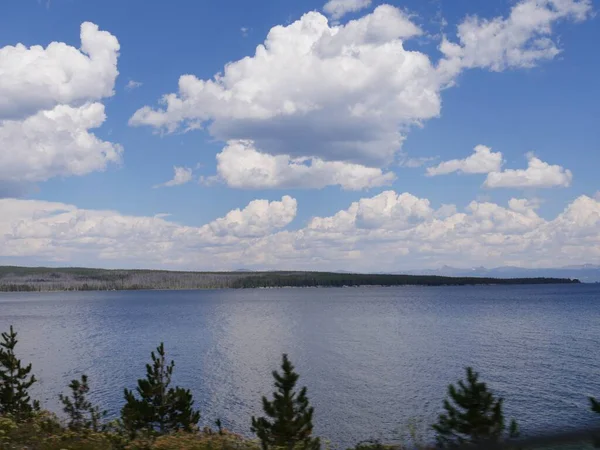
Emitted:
<point x="373" y="359"/>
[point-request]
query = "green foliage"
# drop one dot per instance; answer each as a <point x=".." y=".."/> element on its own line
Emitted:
<point x="195" y="441"/>
<point x="327" y="279"/>
<point x="42" y="430"/>
<point x="473" y="415"/>
<point x="82" y="414"/>
<point x="160" y="408"/>
<point x="15" y="380"/>
<point x="289" y="417"/>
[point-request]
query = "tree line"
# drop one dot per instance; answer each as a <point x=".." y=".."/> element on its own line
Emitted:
<point x="157" y="415"/>
<point x="30" y="279"/>
<point x="329" y="279"/>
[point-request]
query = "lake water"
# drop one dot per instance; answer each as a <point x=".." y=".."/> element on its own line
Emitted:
<point x="372" y="358"/>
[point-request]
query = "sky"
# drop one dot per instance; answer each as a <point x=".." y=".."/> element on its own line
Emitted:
<point x="311" y="135"/>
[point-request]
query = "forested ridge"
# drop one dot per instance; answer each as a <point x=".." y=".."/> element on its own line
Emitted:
<point x="14" y="279"/>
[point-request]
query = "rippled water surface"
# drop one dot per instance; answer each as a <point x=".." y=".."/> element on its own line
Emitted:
<point x="372" y="358"/>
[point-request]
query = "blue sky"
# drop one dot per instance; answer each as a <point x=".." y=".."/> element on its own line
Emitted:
<point x="353" y="102"/>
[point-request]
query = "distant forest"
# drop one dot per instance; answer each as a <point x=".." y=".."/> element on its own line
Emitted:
<point x="16" y="279"/>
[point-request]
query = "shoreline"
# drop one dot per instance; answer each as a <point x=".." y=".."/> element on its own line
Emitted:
<point x="67" y="279"/>
<point x="47" y="291"/>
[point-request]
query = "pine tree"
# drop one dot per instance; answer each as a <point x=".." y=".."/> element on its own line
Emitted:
<point x="160" y="408"/>
<point x="473" y="415"/>
<point x="82" y="414"/>
<point x="289" y="416"/>
<point x="15" y="380"/>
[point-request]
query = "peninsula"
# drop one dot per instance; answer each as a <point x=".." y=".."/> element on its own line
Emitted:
<point x="14" y="278"/>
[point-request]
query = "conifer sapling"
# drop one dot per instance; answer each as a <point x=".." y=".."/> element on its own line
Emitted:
<point x="15" y="380"/>
<point x="82" y="414"/>
<point x="160" y="408"/>
<point x="473" y="415"/>
<point x="289" y="417"/>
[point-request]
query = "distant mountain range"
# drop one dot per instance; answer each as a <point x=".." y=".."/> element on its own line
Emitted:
<point x="586" y="273"/>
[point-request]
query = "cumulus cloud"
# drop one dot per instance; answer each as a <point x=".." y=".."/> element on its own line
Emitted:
<point x="390" y="209"/>
<point x="521" y="40"/>
<point x="257" y="219"/>
<point x="57" y="231"/>
<point x="524" y="205"/>
<point x="48" y="105"/>
<point x="37" y="78"/>
<point x="351" y="92"/>
<point x="181" y="176"/>
<point x="338" y="93"/>
<point x="54" y="143"/>
<point x="538" y="174"/>
<point x="240" y="165"/>
<point x="483" y="160"/>
<point x="387" y="232"/>
<point x="339" y="8"/>
<point x="407" y="233"/>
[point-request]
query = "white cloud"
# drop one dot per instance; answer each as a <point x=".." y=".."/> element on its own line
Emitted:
<point x="54" y="143"/>
<point x="132" y="84"/>
<point x="57" y="231"/>
<point x="257" y="219"/>
<point x="387" y="232"/>
<point x="522" y="39"/>
<point x="524" y="205"/>
<point x="391" y="210"/>
<point x="339" y="8"/>
<point x="488" y="217"/>
<point x="338" y="93"/>
<point x="351" y="92"/>
<point x="240" y="165"/>
<point x="48" y="105"/>
<point x="483" y="160"/>
<point x="486" y="233"/>
<point x="37" y="78"/>
<point x="182" y="175"/>
<point x="538" y="174"/>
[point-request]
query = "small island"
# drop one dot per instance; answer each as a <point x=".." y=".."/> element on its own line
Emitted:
<point x="43" y="279"/>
